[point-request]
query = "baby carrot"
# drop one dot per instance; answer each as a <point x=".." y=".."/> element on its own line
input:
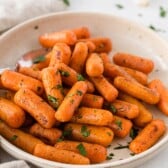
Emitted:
<point x="157" y="85"/>
<point x="148" y="136"/>
<point x="20" y="81"/>
<point x="137" y="90"/>
<point x="19" y="138"/>
<point x="91" y="46"/>
<point x="81" y="32"/>
<point x="96" y="153"/>
<point x="71" y="102"/>
<point x="10" y="113"/>
<point x="48" y="135"/>
<point x="61" y="52"/>
<point x="50" y="39"/>
<point x="135" y="62"/>
<point x="94" y="65"/>
<point x="36" y="107"/>
<point x="79" y="56"/>
<point x="106" y="89"/>
<point x="120" y="126"/>
<point x="59" y="155"/>
<point x="53" y="86"/>
<point x="93" y="134"/>
<point x="34" y="73"/>
<point x="92" y="116"/>
<point x="144" y="117"/>
<point x="105" y="58"/>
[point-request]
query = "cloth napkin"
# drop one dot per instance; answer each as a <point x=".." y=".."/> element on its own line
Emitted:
<point x="13" y="12"/>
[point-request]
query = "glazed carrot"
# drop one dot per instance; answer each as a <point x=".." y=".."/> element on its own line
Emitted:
<point x="39" y="65"/>
<point x="135" y="62"/>
<point x="81" y="32"/>
<point x="59" y="155"/>
<point x="144" y="117"/>
<point x="93" y="134"/>
<point x="79" y="56"/>
<point x="48" y="135"/>
<point x="10" y="113"/>
<point x="36" y="107"/>
<point x="136" y="90"/>
<point x="70" y="76"/>
<point x="94" y="65"/>
<point x="71" y="102"/>
<point x="34" y="73"/>
<point x="121" y="126"/>
<point x="53" y="86"/>
<point x="19" y="138"/>
<point x="7" y="94"/>
<point x="112" y="71"/>
<point x="157" y="85"/>
<point x="125" y="109"/>
<point x="138" y="75"/>
<point x="50" y="39"/>
<point x="148" y="136"/>
<point x="91" y="46"/>
<point x="93" y="101"/>
<point x="96" y="153"/>
<point x="92" y="116"/>
<point x="105" y="58"/>
<point x="61" y="52"/>
<point x="102" y="44"/>
<point x="15" y="81"/>
<point x="107" y="90"/>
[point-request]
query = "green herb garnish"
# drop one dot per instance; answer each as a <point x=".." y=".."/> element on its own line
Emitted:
<point x="53" y="100"/>
<point x="80" y="77"/>
<point x="119" y="6"/>
<point x="133" y="132"/>
<point x="121" y="147"/>
<point x="108" y="157"/>
<point x="38" y="59"/>
<point x="119" y="124"/>
<point x="13" y="138"/>
<point x="163" y="12"/>
<point x="112" y="109"/>
<point x="67" y="133"/>
<point x="84" y="131"/>
<point x="78" y="92"/>
<point x="64" y="73"/>
<point x="66" y="2"/>
<point x="81" y="149"/>
<point x="132" y="154"/>
<point x="152" y="27"/>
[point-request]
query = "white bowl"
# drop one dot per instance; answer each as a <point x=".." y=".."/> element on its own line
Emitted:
<point x="125" y="35"/>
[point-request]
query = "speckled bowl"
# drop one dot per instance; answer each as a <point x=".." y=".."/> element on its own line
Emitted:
<point x="125" y="35"/>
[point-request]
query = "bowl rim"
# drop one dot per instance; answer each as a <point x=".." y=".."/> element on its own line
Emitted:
<point x="159" y="144"/>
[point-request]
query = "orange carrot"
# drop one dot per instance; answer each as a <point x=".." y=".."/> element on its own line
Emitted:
<point x="135" y="62"/>
<point x="148" y="136"/>
<point x="105" y="58"/>
<point x="91" y="46"/>
<point x="96" y="153"/>
<point x="81" y="32"/>
<point x="36" y="107"/>
<point x="71" y="102"/>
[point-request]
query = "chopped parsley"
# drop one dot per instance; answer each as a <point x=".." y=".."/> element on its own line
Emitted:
<point x="112" y="109"/>
<point x="64" y="73"/>
<point x="133" y="132"/>
<point x="163" y="12"/>
<point x="84" y="131"/>
<point x="78" y="92"/>
<point x="152" y="27"/>
<point x="13" y="138"/>
<point x="121" y="147"/>
<point x="110" y="156"/>
<point x="80" y="77"/>
<point x="119" y="6"/>
<point x="81" y="149"/>
<point x="53" y="100"/>
<point x="39" y="59"/>
<point x="132" y="154"/>
<point x="119" y="124"/>
<point x="66" y="2"/>
<point x="59" y="87"/>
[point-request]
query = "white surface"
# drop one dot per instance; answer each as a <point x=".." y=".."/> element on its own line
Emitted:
<point x="144" y="15"/>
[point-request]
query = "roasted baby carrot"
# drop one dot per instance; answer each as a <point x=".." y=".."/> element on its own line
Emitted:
<point x="125" y="109"/>
<point x="34" y="73"/>
<point x="10" y="113"/>
<point x="91" y="46"/>
<point x="59" y="155"/>
<point x="50" y="39"/>
<point x="61" y="52"/>
<point x="81" y="32"/>
<point x="19" y="138"/>
<point x="79" y="56"/>
<point x="15" y="81"/>
<point x="148" y="136"/>
<point x="7" y="94"/>
<point x="53" y="86"/>
<point x="102" y="44"/>
<point x="105" y="58"/>
<point x="71" y="102"/>
<point x="36" y="107"/>
<point x="137" y="90"/>
<point x="121" y="126"/>
<point x="48" y="135"/>
<point x="157" y="85"/>
<point x="93" y="101"/>
<point x="138" y="75"/>
<point x="96" y="153"/>
<point x="135" y="62"/>
<point x="92" y="116"/>
<point x="94" y="65"/>
<point x="93" y="134"/>
<point x="106" y="89"/>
